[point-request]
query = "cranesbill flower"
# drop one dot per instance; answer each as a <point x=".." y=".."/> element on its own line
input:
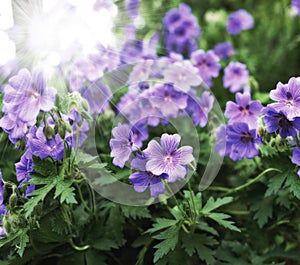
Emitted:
<point x="236" y="77"/>
<point x="42" y="147"/>
<point x="168" y="100"/>
<point x="143" y="179"/>
<point x="27" y="94"/>
<point x="132" y="8"/>
<point x="224" y="50"/>
<point x="287" y="97"/>
<point x="222" y="146"/>
<point x="296" y="157"/>
<point x="243" y="141"/>
<point x="238" y="21"/>
<point x="200" y="108"/>
<point x="121" y="144"/>
<point x="183" y="75"/>
<point x="2" y="206"/>
<point x="167" y="158"/>
<point x="296" y="5"/>
<point x="139" y="134"/>
<point x="244" y="110"/>
<point x="207" y="64"/>
<point x="275" y="120"/>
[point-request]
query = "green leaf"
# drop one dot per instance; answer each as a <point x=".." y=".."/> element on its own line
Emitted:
<point x="211" y="204"/>
<point x="220" y="218"/>
<point x="161" y="223"/>
<point x="105" y="244"/>
<point x="44" y="167"/>
<point x="264" y="210"/>
<point x="37" y="196"/>
<point x="293" y="184"/>
<point x="275" y="183"/>
<point x="65" y="191"/>
<point x="170" y="240"/>
<point x="135" y="212"/>
<point x="20" y="242"/>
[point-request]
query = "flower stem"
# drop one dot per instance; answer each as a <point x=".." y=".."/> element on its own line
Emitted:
<point x="83" y="248"/>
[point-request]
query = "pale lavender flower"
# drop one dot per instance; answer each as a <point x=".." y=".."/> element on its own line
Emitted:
<point x="167" y="158"/>
<point x="207" y="64"/>
<point x="183" y="75"/>
<point x="238" y="21"/>
<point x="236" y="77"/>
<point x="296" y="5"/>
<point x="287" y="97"/>
<point x="224" y="50"/>
<point x="143" y="179"/>
<point x="244" y="110"/>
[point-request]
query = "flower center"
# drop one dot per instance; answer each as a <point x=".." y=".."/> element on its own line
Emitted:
<point x="246" y="137"/>
<point x="168" y="159"/>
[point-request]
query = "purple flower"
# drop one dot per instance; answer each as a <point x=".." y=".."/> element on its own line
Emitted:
<point x="200" y="108"/>
<point x="275" y="120"/>
<point x="42" y="147"/>
<point x="144" y="179"/>
<point x="2" y="209"/>
<point x="243" y="142"/>
<point x="244" y="110"/>
<point x="224" y="50"/>
<point x="207" y="64"/>
<point x="238" y="21"/>
<point x="23" y="170"/>
<point x="236" y="77"/>
<point x="132" y="51"/>
<point x="168" y="100"/>
<point x="287" y="97"/>
<point x="139" y="134"/>
<point x="222" y="146"/>
<point x="27" y="94"/>
<point x="296" y="5"/>
<point x="132" y="8"/>
<point x="167" y="158"/>
<point x="121" y="144"/>
<point x="183" y="75"/>
<point x="296" y="157"/>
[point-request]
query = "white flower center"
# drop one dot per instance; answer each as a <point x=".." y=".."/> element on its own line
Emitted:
<point x="168" y="159"/>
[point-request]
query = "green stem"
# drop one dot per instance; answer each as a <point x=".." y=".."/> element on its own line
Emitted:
<point x="83" y="248"/>
<point x="92" y="198"/>
<point x="82" y="199"/>
<point x="217" y="188"/>
<point x="194" y="211"/>
<point x="252" y="181"/>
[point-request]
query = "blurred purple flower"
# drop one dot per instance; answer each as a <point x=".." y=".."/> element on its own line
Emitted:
<point x="167" y="158"/>
<point x="42" y="147"/>
<point x="26" y="95"/>
<point x="287" y="97"/>
<point x="168" y="100"/>
<point x="200" y="108"/>
<point x="275" y="120"/>
<point x="296" y="157"/>
<point x="243" y="142"/>
<point x="139" y="134"/>
<point x="236" y="77"/>
<point x="207" y="65"/>
<point x="238" y="21"/>
<point x="183" y="75"/>
<point x="2" y="206"/>
<point x="143" y="178"/>
<point x="222" y="146"/>
<point x="121" y="144"/>
<point x="296" y="5"/>
<point x="244" y="110"/>
<point x="224" y="50"/>
<point x="132" y="8"/>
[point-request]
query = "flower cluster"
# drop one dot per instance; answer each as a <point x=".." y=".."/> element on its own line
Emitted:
<point x="182" y="31"/>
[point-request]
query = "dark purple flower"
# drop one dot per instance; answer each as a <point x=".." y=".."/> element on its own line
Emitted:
<point x="224" y="50"/>
<point x="200" y="108"/>
<point x="238" y="21"/>
<point x="236" y="77"/>
<point x="244" y="110"/>
<point x="296" y="5"/>
<point x="2" y="209"/>
<point x="287" y="97"/>
<point x="121" y="144"/>
<point x="243" y="142"/>
<point x="167" y="158"/>
<point x="168" y="100"/>
<point x="296" y="157"/>
<point x="139" y="134"/>
<point x="144" y="179"/>
<point x="42" y="147"/>
<point x="132" y="51"/>
<point x="23" y="170"/>
<point x="275" y="120"/>
<point x="27" y="94"/>
<point x="207" y="65"/>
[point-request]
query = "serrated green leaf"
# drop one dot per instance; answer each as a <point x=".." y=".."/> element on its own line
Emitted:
<point x="170" y="240"/>
<point x="65" y="191"/>
<point x="135" y="212"/>
<point x="105" y="244"/>
<point x="37" y="196"/>
<point x="20" y="242"/>
<point x="264" y="210"/>
<point x="275" y="183"/>
<point x="211" y="204"/>
<point x="220" y="218"/>
<point x="293" y="184"/>
<point x="161" y="223"/>
<point x="44" y="167"/>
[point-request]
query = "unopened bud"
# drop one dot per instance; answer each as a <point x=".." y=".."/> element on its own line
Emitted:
<point x="13" y="200"/>
<point x="49" y="132"/>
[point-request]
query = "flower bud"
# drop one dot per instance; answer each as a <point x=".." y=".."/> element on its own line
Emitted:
<point x="13" y="200"/>
<point x="49" y="132"/>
